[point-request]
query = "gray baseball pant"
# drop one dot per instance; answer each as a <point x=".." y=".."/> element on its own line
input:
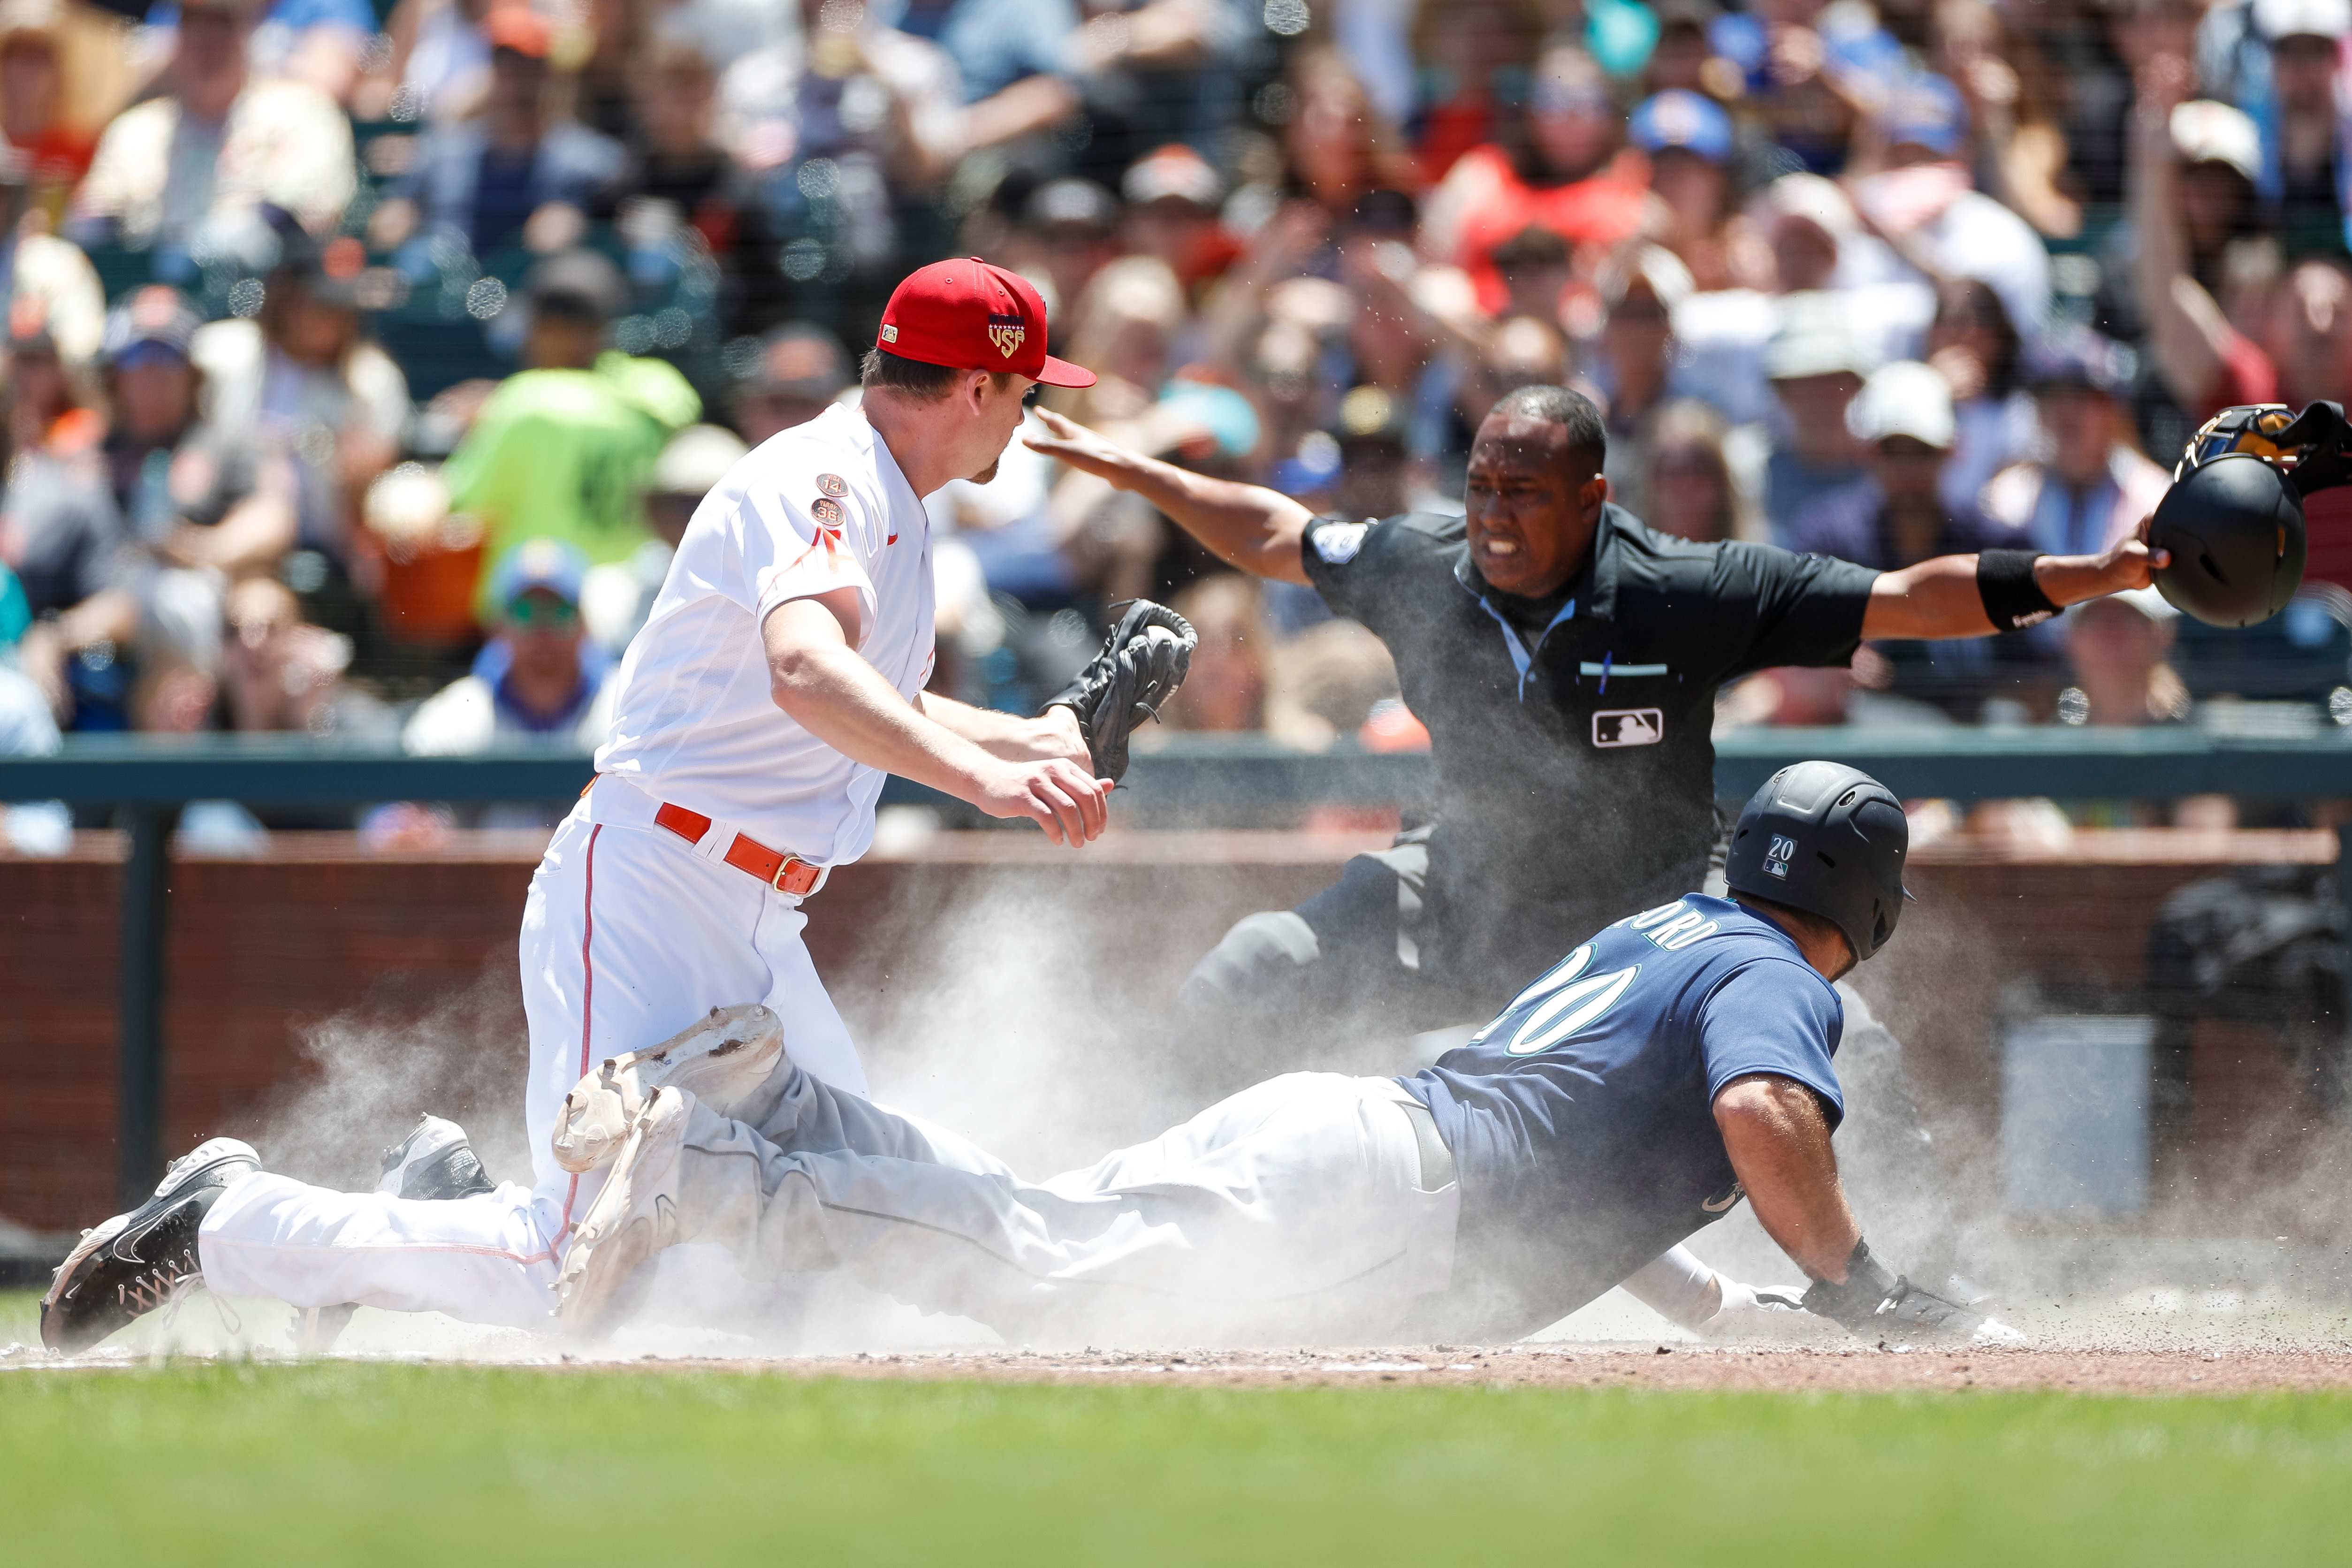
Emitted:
<point x="1295" y="1209"/>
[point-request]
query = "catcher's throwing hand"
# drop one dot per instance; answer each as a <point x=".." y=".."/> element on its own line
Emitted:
<point x="1141" y="664"/>
<point x="1056" y="793"/>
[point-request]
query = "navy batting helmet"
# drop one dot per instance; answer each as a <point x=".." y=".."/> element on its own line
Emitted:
<point x="2234" y="517"/>
<point x="1828" y="839"/>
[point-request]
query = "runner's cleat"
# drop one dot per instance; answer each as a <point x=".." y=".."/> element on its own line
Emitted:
<point x="434" y="1162"/>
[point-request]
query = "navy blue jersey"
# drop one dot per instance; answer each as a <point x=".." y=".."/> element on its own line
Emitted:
<point x="1581" y="1119"/>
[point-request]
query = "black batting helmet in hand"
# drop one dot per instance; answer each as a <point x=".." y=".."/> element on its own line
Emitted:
<point x="1828" y="839"/>
<point x="2233" y="519"/>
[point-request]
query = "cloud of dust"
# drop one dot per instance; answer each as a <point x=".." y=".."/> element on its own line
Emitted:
<point x="1033" y="1011"/>
<point x="398" y="1055"/>
<point x="1027" y="1009"/>
<point x="1027" y="1013"/>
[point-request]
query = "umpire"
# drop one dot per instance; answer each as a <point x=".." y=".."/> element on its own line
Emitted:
<point x="1566" y="661"/>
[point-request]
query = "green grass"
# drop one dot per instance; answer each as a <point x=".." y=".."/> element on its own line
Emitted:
<point x="345" y="1463"/>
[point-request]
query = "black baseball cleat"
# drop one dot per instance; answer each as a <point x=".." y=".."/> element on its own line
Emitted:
<point x="136" y="1262"/>
<point x="434" y="1162"/>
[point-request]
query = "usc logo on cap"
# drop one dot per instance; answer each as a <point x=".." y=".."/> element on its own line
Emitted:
<point x="1008" y="333"/>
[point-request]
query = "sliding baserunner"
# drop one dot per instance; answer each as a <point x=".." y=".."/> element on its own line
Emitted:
<point x="1671" y="1064"/>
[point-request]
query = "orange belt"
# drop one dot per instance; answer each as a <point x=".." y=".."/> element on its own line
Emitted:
<point x="785" y="873"/>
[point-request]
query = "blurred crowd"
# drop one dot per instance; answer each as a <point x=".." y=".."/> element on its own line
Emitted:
<point x="365" y="361"/>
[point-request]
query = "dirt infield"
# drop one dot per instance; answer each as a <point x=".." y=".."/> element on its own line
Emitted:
<point x="2223" y="1369"/>
<point x="1871" y="1370"/>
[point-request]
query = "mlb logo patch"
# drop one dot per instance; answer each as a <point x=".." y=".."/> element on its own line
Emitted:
<point x="1008" y="333"/>
<point x="1629" y="727"/>
<point x="1777" y="855"/>
<point x="1337" y="542"/>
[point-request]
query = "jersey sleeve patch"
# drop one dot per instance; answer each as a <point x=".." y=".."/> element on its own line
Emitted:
<point x="798" y="546"/>
<point x="1337" y="542"/>
<point x="833" y="485"/>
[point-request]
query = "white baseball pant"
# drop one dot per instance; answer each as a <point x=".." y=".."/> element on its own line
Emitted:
<point x="629" y="935"/>
<point x="1292" y="1210"/>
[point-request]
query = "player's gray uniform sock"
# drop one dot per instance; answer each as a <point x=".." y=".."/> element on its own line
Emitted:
<point x="1293" y="1207"/>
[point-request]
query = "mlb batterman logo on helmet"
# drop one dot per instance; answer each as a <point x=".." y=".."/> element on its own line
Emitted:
<point x="1828" y="839"/>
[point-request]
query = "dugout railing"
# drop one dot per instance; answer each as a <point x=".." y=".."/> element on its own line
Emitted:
<point x="142" y="783"/>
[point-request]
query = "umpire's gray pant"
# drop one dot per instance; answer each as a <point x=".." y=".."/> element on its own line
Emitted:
<point x="1294" y="1210"/>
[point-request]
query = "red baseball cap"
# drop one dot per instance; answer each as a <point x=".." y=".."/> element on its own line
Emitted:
<point x="515" y="26"/>
<point x="969" y="315"/>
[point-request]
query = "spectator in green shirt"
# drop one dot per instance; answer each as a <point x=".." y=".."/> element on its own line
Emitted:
<point x="563" y="449"/>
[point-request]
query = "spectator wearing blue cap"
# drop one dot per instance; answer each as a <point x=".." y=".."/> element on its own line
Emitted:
<point x="202" y="505"/>
<point x="1121" y="546"/>
<point x="1924" y="203"/>
<point x="1808" y="72"/>
<point x="1689" y="139"/>
<point x="538" y="678"/>
<point x="2089" y="484"/>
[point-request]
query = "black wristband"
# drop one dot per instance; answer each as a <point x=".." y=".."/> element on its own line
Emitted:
<point x="1868" y="1287"/>
<point x="2012" y="599"/>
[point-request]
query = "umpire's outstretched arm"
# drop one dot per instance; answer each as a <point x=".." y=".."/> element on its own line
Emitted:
<point x="1247" y="526"/>
<point x="1948" y="595"/>
<point x="1259" y="530"/>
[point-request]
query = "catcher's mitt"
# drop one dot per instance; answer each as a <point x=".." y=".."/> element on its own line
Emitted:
<point x="1142" y="663"/>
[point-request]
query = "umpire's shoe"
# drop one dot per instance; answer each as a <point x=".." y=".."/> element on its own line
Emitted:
<point x="433" y="1162"/>
<point x="636" y="1217"/>
<point x="720" y="1060"/>
<point x="136" y="1262"/>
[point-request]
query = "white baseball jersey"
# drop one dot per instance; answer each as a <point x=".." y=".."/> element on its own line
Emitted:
<point x="816" y="509"/>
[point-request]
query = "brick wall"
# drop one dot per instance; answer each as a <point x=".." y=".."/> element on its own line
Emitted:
<point x="259" y="950"/>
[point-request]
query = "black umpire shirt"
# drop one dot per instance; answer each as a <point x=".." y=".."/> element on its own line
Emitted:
<point x="1571" y="736"/>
